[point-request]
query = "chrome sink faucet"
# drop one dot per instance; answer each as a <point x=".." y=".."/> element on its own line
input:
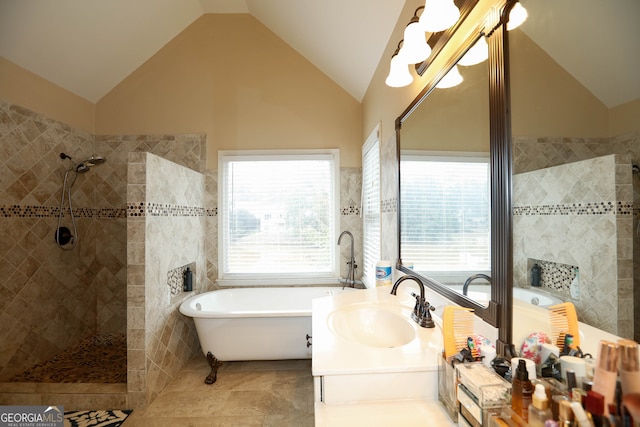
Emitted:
<point x="465" y="287"/>
<point x="351" y="272"/>
<point x="422" y="311"/>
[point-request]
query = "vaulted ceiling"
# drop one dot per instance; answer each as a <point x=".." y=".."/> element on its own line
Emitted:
<point x="89" y="46"/>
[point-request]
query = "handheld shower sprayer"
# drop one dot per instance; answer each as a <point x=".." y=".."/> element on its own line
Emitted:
<point x="64" y="237"/>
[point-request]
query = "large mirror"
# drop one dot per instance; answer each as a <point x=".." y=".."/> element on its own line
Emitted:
<point x="445" y="218"/>
<point x="575" y="98"/>
<point x="452" y="207"/>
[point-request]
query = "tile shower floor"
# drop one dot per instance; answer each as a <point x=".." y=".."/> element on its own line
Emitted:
<point x="97" y="359"/>
<point x="263" y="393"/>
<point x="258" y="393"/>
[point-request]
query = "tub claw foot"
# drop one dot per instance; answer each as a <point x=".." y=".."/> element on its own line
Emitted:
<point x="215" y="364"/>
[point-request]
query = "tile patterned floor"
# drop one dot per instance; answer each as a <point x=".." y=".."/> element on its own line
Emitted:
<point x="261" y="393"/>
<point x="97" y="359"/>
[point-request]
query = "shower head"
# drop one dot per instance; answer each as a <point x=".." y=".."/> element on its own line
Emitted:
<point x="82" y="168"/>
<point x="635" y="169"/>
<point x="86" y="165"/>
<point x="96" y="160"/>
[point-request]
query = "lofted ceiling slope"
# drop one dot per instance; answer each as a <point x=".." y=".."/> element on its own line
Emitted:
<point x="89" y="46"/>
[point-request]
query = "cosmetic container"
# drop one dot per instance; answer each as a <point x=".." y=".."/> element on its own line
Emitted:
<point x="605" y="374"/>
<point x="521" y="391"/>
<point x="580" y="415"/>
<point x="565" y="417"/>
<point x="629" y="367"/>
<point x="594" y="404"/>
<point x="539" y="410"/>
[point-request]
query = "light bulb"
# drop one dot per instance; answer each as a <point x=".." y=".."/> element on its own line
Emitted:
<point x="438" y="15"/>
<point x="478" y="53"/>
<point x="451" y="79"/>
<point x="399" y="74"/>
<point x="414" y="48"/>
<point x="517" y="16"/>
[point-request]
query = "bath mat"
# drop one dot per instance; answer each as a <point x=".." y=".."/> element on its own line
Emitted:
<point x="96" y="418"/>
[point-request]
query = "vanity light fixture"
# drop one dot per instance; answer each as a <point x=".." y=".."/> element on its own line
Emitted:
<point x="438" y="15"/>
<point x="399" y="74"/>
<point x="478" y="53"/>
<point x="414" y="48"/>
<point x="451" y="79"/>
<point x="517" y="16"/>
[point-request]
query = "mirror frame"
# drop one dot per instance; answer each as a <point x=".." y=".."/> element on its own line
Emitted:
<point x="499" y="311"/>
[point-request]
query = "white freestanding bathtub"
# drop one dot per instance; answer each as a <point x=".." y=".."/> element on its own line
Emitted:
<point x="267" y="323"/>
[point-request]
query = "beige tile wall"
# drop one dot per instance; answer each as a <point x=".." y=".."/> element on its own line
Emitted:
<point x="566" y="208"/>
<point x="166" y="229"/>
<point x="47" y="295"/>
<point x="607" y="277"/>
<point x="85" y="287"/>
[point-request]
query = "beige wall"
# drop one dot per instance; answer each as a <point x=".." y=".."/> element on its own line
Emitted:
<point x="546" y="99"/>
<point x="22" y="87"/>
<point x="225" y="75"/>
<point x="435" y="124"/>
<point x="230" y="77"/>
<point x="623" y="119"/>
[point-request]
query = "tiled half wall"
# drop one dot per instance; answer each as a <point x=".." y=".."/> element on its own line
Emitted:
<point x="166" y="231"/>
<point x="580" y="214"/>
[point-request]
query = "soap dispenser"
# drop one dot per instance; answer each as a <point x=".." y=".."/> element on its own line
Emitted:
<point x="188" y="280"/>
<point x="536" y="273"/>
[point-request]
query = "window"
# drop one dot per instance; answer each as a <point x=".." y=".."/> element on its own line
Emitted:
<point x="277" y="217"/>
<point x="446" y="214"/>
<point x="371" y="206"/>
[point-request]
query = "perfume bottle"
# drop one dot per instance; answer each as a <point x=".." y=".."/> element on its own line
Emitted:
<point x="629" y="367"/>
<point x="605" y="374"/>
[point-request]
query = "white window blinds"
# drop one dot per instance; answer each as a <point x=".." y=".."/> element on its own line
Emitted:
<point x="277" y="215"/>
<point x="371" y="206"/>
<point x="445" y="214"/>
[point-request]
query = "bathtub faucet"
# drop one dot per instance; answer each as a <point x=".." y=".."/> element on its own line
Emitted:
<point x="422" y="311"/>
<point x="465" y="287"/>
<point x="351" y="272"/>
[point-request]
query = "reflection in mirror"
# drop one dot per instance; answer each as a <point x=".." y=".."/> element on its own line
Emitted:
<point x="575" y="98"/>
<point x="444" y="185"/>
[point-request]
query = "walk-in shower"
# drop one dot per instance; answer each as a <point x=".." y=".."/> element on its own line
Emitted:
<point x="65" y="238"/>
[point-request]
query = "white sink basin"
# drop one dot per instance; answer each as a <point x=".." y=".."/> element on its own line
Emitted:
<point x="373" y="325"/>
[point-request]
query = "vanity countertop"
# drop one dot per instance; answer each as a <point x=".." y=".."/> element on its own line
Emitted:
<point x="335" y="355"/>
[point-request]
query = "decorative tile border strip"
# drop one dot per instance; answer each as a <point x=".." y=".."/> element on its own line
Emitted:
<point x="142" y="209"/>
<point x="165" y="209"/>
<point x="600" y="208"/>
<point x="389" y="205"/>
<point x="350" y="210"/>
<point x="34" y="211"/>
